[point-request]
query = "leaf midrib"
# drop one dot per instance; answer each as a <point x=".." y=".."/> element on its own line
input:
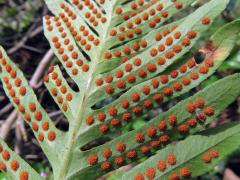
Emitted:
<point x="73" y="134"/>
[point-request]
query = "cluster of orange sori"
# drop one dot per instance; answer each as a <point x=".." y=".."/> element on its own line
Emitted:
<point x="126" y="52"/>
<point x="133" y="27"/>
<point x="152" y="138"/>
<point x="66" y="47"/>
<point x="170" y="160"/>
<point x="130" y="50"/>
<point x="93" y="14"/>
<point x="60" y="93"/>
<point x="12" y="164"/>
<point x="138" y="3"/>
<point x="92" y="159"/>
<point x="122" y="79"/>
<point x="162" y="126"/>
<point x="150" y="97"/>
<point x="169" y="42"/>
<point x="208" y="156"/>
<point x="121" y="147"/>
<point x="126" y="75"/>
<point x="184" y="172"/>
<point x="81" y="35"/>
<point x="151" y="67"/>
<point x="136" y="6"/>
<point x="148" y="89"/>
<point x="152" y="17"/>
<point x="201" y="112"/>
<point x="195" y="108"/>
<point x="16" y="90"/>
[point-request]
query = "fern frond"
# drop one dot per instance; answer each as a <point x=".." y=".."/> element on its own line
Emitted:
<point x="14" y="166"/>
<point x="25" y="101"/>
<point x="159" y="50"/>
<point x="207" y="149"/>
<point x="128" y="57"/>
<point x="161" y="88"/>
<point x="169" y="126"/>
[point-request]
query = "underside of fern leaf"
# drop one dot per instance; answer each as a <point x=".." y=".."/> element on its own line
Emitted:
<point x="207" y="149"/>
<point x="127" y="57"/>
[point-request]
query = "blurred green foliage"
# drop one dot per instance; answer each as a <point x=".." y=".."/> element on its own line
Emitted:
<point x="17" y="15"/>
<point x="233" y="63"/>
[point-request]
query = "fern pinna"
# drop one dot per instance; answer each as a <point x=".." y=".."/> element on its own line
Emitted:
<point x="129" y="56"/>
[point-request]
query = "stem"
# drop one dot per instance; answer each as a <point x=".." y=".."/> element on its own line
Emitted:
<point x="68" y="153"/>
<point x="73" y="130"/>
